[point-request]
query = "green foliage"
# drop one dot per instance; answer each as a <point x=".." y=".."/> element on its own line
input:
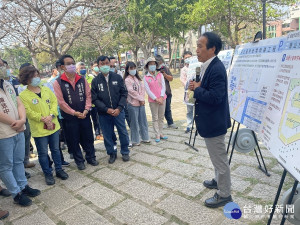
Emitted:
<point x="16" y="56"/>
<point x="230" y="17"/>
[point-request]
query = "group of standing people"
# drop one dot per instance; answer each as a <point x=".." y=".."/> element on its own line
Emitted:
<point x="74" y="95"/>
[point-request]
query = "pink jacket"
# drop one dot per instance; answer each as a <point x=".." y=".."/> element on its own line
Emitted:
<point x="136" y="90"/>
<point x="155" y="86"/>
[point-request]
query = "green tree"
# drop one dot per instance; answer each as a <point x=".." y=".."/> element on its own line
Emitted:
<point x="230" y="17"/>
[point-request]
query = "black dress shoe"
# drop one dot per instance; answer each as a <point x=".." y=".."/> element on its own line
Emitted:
<point x="81" y="166"/>
<point x="93" y="162"/>
<point x="217" y="201"/>
<point x="125" y="157"/>
<point x="112" y="158"/>
<point x="31" y="192"/>
<point x="211" y="184"/>
<point x="62" y="175"/>
<point x="49" y="179"/>
<point x="22" y="200"/>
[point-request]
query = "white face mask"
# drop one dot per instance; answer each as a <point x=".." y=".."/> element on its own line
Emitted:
<point x="152" y="68"/>
<point x="132" y="72"/>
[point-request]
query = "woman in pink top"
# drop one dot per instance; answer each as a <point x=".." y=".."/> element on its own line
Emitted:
<point x="155" y="87"/>
<point x="136" y="105"/>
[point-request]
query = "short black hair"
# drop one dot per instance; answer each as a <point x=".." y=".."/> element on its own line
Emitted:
<point x="213" y="40"/>
<point x="24" y="65"/>
<point x="62" y="59"/>
<point x="112" y="57"/>
<point x="102" y="58"/>
<point x="187" y="53"/>
<point x="159" y="58"/>
<point x="57" y="64"/>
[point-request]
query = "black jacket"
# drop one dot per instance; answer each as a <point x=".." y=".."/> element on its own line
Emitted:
<point x="212" y="114"/>
<point x="108" y="95"/>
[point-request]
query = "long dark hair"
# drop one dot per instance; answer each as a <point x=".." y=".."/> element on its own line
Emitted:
<point x="128" y="65"/>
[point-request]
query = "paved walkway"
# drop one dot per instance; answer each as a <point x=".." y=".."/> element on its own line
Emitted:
<point x="162" y="184"/>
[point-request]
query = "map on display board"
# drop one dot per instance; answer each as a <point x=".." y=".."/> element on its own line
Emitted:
<point x="264" y="95"/>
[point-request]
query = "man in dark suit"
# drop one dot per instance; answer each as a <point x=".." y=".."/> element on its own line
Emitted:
<point x="212" y="115"/>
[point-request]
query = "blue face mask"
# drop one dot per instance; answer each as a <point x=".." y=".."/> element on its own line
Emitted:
<point x="96" y="69"/>
<point x="112" y="70"/>
<point x="35" y="81"/>
<point x="152" y="68"/>
<point x="83" y="72"/>
<point x="104" y="69"/>
<point x="8" y="72"/>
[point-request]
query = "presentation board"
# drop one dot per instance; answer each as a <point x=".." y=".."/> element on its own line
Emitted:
<point x="264" y="95"/>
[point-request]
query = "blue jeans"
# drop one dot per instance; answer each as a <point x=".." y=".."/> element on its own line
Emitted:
<point x="138" y="124"/>
<point x="189" y="115"/>
<point x="12" y="172"/>
<point x="107" y="123"/>
<point x="168" y="112"/>
<point x="42" y="149"/>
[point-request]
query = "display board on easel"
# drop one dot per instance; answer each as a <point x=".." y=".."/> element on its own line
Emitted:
<point x="264" y="95"/>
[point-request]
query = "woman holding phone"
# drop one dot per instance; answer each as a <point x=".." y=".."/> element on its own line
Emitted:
<point x="41" y="110"/>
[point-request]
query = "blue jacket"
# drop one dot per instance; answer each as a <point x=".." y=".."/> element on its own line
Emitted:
<point x="212" y="115"/>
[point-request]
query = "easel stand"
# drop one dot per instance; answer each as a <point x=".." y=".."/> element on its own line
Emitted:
<point x="264" y="170"/>
<point x="191" y="134"/>
<point x="277" y="197"/>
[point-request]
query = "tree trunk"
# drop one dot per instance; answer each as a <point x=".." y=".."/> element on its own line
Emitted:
<point x="34" y="59"/>
<point x="135" y="53"/>
<point x="169" y="50"/>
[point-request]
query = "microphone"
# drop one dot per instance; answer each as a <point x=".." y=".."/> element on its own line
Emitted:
<point x="198" y="71"/>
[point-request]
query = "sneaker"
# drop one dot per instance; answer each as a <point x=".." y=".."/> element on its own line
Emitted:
<point x="22" y="200"/>
<point x="93" y="162"/>
<point x="49" y="179"/>
<point x="81" y="166"/>
<point x="211" y="184"/>
<point x="125" y="157"/>
<point x="130" y="145"/>
<point x="62" y="174"/>
<point x="146" y="142"/>
<point x="30" y="191"/>
<point x="27" y="175"/>
<point x="3" y="214"/>
<point x="65" y="164"/>
<point x="29" y="165"/>
<point x="172" y="126"/>
<point x="4" y="192"/>
<point x="112" y="158"/>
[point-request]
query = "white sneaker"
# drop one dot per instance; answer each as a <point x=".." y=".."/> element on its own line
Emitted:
<point x="172" y="126"/>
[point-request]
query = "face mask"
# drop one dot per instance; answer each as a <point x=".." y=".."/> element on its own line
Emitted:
<point x="112" y="69"/>
<point x="132" y="72"/>
<point x="35" y="81"/>
<point x="3" y="72"/>
<point x="104" y="69"/>
<point x="152" y="68"/>
<point x="8" y="72"/>
<point x="83" y="72"/>
<point x="187" y="61"/>
<point x="71" y="69"/>
<point x="96" y="69"/>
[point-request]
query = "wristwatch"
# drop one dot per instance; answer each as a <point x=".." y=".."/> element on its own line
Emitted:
<point x="52" y="116"/>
